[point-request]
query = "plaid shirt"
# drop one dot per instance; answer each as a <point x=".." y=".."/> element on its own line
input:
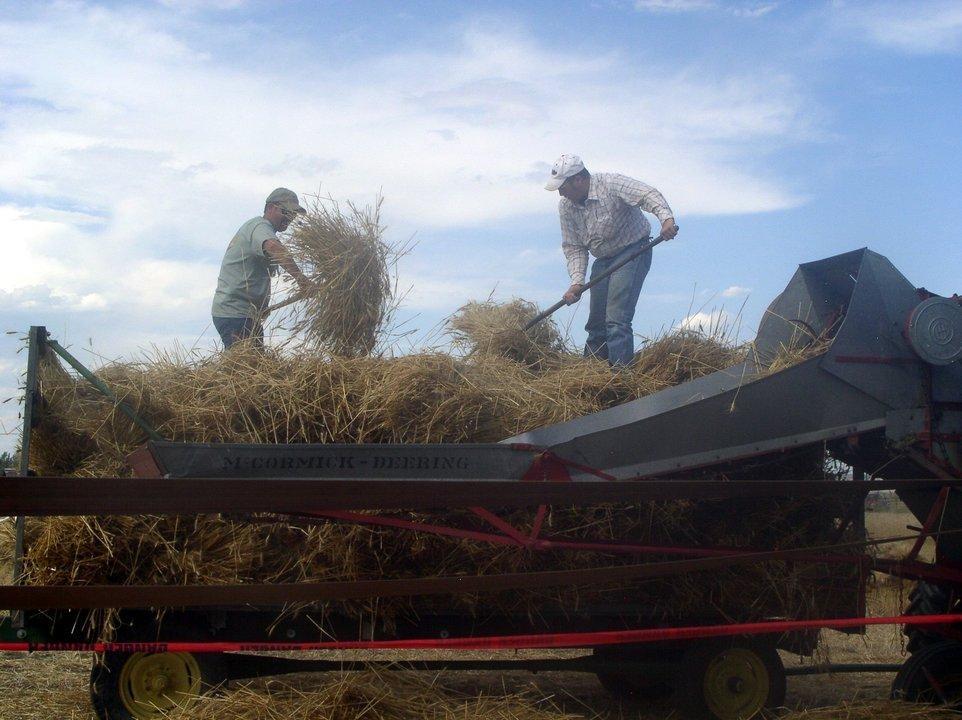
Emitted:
<point x="610" y="220"/>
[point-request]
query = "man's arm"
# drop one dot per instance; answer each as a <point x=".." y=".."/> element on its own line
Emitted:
<point x="280" y="254"/>
<point x="576" y="255"/>
<point x="635" y="192"/>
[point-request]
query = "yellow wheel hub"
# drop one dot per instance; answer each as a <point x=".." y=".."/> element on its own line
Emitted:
<point x="152" y="684"/>
<point x="736" y="684"/>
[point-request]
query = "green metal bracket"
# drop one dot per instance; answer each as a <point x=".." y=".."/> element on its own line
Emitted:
<point x="12" y="631"/>
<point x="38" y="342"/>
<point x="35" y="342"/>
<point x="102" y="387"/>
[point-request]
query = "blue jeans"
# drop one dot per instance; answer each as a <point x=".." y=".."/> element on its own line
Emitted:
<point x="612" y="307"/>
<point x="232" y="330"/>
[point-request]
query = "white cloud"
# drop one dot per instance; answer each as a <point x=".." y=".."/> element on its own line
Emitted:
<point x="711" y="323"/>
<point x="747" y="8"/>
<point x="921" y="26"/>
<point x="674" y="5"/>
<point x="130" y="154"/>
<point x="194" y="5"/>
<point x="9" y="410"/>
<point x="735" y="291"/>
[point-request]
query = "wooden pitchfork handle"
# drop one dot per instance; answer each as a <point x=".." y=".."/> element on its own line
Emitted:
<point x="645" y="247"/>
<point x="299" y="295"/>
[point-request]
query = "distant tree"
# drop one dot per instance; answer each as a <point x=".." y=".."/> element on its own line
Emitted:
<point x="7" y="461"/>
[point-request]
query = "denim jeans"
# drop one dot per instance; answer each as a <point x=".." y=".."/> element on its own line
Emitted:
<point x="612" y="307"/>
<point x="232" y="330"/>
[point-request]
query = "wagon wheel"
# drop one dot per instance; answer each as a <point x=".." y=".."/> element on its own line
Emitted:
<point x="931" y="675"/>
<point x="732" y="680"/>
<point x="631" y="687"/>
<point x="147" y="686"/>
<point x="927" y="599"/>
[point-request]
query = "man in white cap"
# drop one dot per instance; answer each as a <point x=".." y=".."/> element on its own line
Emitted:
<point x="253" y="255"/>
<point x="601" y="214"/>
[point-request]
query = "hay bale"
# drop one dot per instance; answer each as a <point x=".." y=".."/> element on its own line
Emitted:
<point x="491" y="328"/>
<point x="345" y="256"/>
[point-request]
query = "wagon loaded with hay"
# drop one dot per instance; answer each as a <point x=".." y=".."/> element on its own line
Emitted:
<point x="678" y="539"/>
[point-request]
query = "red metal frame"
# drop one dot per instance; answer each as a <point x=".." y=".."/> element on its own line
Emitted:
<point x="547" y="467"/>
<point x="533" y="540"/>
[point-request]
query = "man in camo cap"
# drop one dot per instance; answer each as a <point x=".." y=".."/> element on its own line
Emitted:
<point x="244" y="285"/>
<point x="601" y="214"/>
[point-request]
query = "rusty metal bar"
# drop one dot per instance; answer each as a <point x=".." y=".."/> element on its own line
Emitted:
<point x="51" y="597"/>
<point x="43" y="496"/>
<point x="121" y="596"/>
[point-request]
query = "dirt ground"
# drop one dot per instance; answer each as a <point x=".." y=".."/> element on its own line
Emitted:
<point x="54" y="685"/>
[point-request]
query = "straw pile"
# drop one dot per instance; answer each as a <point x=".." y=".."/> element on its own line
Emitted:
<point x="497" y="329"/>
<point x="372" y="696"/>
<point x="273" y="397"/>
<point x="344" y="255"/>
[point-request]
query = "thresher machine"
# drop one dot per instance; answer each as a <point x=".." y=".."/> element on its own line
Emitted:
<point x="884" y="398"/>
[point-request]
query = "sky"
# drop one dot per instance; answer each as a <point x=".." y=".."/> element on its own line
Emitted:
<point x="136" y="137"/>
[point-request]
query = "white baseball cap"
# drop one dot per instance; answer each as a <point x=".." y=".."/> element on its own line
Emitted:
<point x="564" y="167"/>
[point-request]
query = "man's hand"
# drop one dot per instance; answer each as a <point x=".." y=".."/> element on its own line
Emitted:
<point x="669" y="229"/>
<point x="574" y="293"/>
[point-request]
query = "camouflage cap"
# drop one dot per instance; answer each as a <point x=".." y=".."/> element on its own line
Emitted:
<point x="287" y="199"/>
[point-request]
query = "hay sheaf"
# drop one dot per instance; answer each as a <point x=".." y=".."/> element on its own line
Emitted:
<point x="492" y="328"/>
<point x="349" y="264"/>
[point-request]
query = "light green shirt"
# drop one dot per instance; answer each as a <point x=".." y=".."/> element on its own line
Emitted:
<point x="244" y="283"/>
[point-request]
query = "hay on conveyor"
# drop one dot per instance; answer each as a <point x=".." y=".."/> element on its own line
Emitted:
<point x="275" y="397"/>
<point x="368" y="695"/>
<point x="343" y="253"/>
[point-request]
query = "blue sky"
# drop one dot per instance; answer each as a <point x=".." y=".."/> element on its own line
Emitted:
<point x="136" y="137"/>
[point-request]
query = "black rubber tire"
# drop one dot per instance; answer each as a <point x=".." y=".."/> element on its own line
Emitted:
<point x="632" y="689"/>
<point x="932" y="675"/>
<point x="105" y="674"/>
<point x="699" y="664"/>
<point x="926" y="599"/>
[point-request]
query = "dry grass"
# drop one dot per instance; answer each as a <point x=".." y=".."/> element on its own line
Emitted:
<point x="275" y="397"/>
<point x="497" y="329"/>
<point x="373" y="696"/>
<point x="345" y="256"/>
<point x="875" y="710"/>
<point x="42" y="686"/>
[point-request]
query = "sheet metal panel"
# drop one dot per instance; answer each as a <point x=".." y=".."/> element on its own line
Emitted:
<point x="781" y="411"/>
<point x="452" y="461"/>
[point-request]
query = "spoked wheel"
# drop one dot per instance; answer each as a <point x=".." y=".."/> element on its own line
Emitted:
<point x="148" y="686"/>
<point x="629" y="685"/>
<point x="734" y="680"/>
<point x="932" y="675"/>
